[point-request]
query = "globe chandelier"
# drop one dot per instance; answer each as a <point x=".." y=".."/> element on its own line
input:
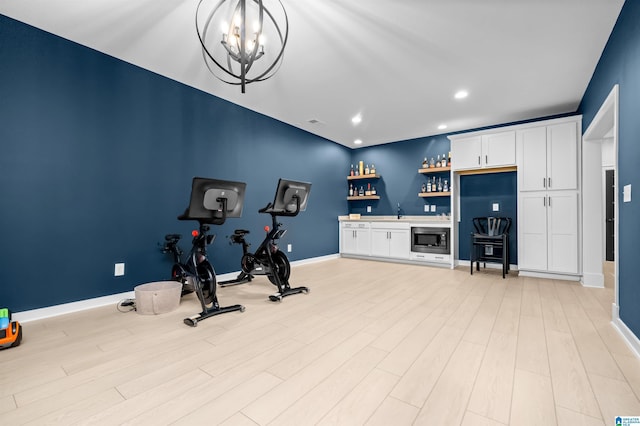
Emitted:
<point x="242" y="41"/>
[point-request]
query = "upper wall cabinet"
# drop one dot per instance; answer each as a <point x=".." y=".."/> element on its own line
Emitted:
<point x="483" y="151"/>
<point x="548" y="157"/>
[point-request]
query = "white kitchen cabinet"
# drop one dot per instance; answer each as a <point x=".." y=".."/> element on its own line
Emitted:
<point x="355" y="238"/>
<point x="548" y="197"/>
<point x="548" y="232"/>
<point x="483" y="151"/>
<point x="548" y="157"/>
<point x="390" y="240"/>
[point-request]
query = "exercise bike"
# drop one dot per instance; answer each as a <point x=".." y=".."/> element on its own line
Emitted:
<point x="291" y="198"/>
<point x="212" y="202"/>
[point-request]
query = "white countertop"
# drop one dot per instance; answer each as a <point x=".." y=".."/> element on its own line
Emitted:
<point x="410" y="219"/>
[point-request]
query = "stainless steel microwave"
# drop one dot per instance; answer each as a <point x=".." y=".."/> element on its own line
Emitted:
<point x="430" y="240"/>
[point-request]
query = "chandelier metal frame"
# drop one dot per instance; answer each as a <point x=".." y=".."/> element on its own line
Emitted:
<point x="238" y="49"/>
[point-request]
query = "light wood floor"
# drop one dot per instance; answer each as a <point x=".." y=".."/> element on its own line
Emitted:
<point x="373" y="343"/>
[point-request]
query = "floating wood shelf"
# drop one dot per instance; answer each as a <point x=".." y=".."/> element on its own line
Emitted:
<point x="434" y="170"/>
<point x="363" y="197"/>
<point x="434" y="194"/>
<point x="363" y="177"/>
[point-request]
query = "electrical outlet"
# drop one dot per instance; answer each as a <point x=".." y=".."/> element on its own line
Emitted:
<point x="289" y="248"/>
<point x="433" y="208"/>
<point x="118" y="271"/>
<point x="496" y="207"/>
<point x="626" y="193"/>
<point x="368" y="209"/>
<point x="426" y="207"/>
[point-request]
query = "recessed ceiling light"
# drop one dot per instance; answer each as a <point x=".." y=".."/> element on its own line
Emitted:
<point x="442" y="127"/>
<point x="356" y="119"/>
<point x="358" y="141"/>
<point x="461" y="94"/>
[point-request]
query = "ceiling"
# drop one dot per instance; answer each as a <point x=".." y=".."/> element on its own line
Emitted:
<point x="396" y="63"/>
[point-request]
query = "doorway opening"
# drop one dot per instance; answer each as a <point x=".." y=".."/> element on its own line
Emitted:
<point x="600" y="198"/>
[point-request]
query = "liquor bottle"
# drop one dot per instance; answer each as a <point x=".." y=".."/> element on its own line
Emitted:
<point x="428" y="185"/>
<point x="361" y="193"/>
<point x="449" y="162"/>
<point x="432" y="163"/>
<point x="439" y="184"/>
<point x="438" y="161"/>
<point x="356" y="173"/>
<point x="352" y="173"/>
<point x="444" y="161"/>
<point x="373" y="190"/>
<point x="424" y="188"/>
<point x="445" y="188"/>
<point x="368" y="191"/>
<point x="372" y="170"/>
<point x="425" y="163"/>
<point x="366" y="170"/>
<point x="351" y="190"/>
<point x="361" y="167"/>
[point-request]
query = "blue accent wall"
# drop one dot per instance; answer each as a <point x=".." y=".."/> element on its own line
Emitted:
<point x="96" y="161"/>
<point x="620" y="64"/>
<point x="477" y="195"/>
<point x="400" y="182"/>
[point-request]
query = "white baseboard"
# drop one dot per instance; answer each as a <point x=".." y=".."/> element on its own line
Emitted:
<point x="592" y="280"/>
<point x="82" y="305"/>
<point x="315" y="259"/>
<point x="67" y="308"/>
<point x="631" y="339"/>
<point x="549" y="275"/>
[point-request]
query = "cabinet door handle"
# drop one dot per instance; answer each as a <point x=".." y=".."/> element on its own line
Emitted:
<point x="486" y="159"/>
<point x="544" y="201"/>
<point x="544" y="182"/>
<point x="478" y="160"/>
<point x="549" y="182"/>
<point x="549" y="201"/>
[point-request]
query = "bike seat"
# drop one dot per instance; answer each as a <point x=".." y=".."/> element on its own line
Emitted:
<point x="240" y="232"/>
<point x="172" y="237"/>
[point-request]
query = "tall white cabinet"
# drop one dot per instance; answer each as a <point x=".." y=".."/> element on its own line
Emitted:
<point x="549" y="198"/>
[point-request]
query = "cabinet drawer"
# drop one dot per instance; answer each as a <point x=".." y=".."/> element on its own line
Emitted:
<point x="430" y="257"/>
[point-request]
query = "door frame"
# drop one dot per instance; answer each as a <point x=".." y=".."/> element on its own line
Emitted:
<point x="603" y="125"/>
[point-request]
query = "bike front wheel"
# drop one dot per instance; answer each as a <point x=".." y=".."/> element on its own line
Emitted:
<point x="282" y="268"/>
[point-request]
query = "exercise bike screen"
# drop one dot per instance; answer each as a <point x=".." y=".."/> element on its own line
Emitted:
<point x="212" y="195"/>
<point x="287" y="189"/>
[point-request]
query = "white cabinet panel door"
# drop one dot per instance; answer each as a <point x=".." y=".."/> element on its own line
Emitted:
<point x="532" y="164"/>
<point x="562" y="156"/>
<point x="532" y="222"/>
<point x="380" y="242"/>
<point x="563" y="231"/>
<point x="399" y="244"/>
<point x="466" y="153"/>
<point x="499" y="149"/>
